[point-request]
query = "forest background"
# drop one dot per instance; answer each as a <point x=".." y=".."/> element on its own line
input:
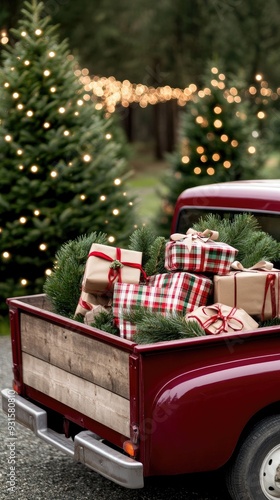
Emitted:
<point x="165" y="46"/>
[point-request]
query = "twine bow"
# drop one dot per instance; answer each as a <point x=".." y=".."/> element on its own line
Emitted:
<point x="192" y="235"/>
<point x="114" y="273"/>
<point x="225" y="319"/>
<point x="262" y="265"/>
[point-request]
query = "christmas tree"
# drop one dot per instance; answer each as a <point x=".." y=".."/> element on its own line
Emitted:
<point x="63" y="166"/>
<point x="220" y="140"/>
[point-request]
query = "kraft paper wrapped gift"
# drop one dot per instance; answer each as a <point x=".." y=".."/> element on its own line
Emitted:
<point x="254" y="290"/>
<point x="107" y="265"/>
<point x="219" y="318"/>
<point x="199" y="252"/>
<point x="165" y="293"/>
<point x="89" y="301"/>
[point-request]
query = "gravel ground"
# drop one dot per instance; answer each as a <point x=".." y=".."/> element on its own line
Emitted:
<point x="43" y="473"/>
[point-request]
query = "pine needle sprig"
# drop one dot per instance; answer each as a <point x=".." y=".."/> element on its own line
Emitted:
<point x="141" y="240"/>
<point x="63" y="286"/>
<point x="154" y="327"/>
<point x="269" y="322"/>
<point x="155" y="264"/>
<point x="104" y="320"/>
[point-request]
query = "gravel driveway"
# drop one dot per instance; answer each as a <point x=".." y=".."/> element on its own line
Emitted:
<point x="43" y="473"/>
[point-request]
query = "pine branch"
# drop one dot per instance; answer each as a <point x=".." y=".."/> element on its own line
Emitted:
<point x="155" y="264"/>
<point x="141" y="240"/>
<point x="104" y="320"/>
<point x="154" y="327"/>
<point x="63" y="286"/>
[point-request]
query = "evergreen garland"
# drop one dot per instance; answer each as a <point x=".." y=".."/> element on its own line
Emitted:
<point x="243" y="233"/>
<point x="104" y="321"/>
<point x="152" y="248"/>
<point x="154" y="327"/>
<point x="63" y="286"/>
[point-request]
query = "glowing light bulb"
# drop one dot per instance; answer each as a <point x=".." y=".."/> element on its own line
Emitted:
<point x="210" y="171"/>
<point x="20" y="106"/>
<point x="23" y="282"/>
<point x="19" y="152"/>
<point x="218" y="123"/>
<point x="36" y="212"/>
<point x="48" y="272"/>
<point x="53" y="89"/>
<point x="115" y="211"/>
<point x="26" y="63"/>
<point x="46" y="72"/>
<point x="20" y="167"/>
<point x="83" y="197"/>
<point x="38" y="32"/>
<point x="197" y="170"/>
<point x="34" y="169"/>
<point x="22" y="220"/>
<point x="66" y="133"/>
<point x="6" y="85"/>
<point x="23" y="33"/>
<point x="117" y="182"/>
<point x="53" y="174"/>
<point x="251" y="150"/>
<point x="87" y="158"/>
<point x="61" y="110"/>
<point x="43" y="246"/>
<point x="108" y="136"/>
<point x="185" y="159"/>
<point x="80" y="102"/>
<point x="8" y="138"/>
<point x="5" y="255"/>
<point x="111" y="239"/>
<point x="52" y="53"/>
<point x="102" y="197"/>
<point x="15" y="95"/>
<point x="29" y="113"/>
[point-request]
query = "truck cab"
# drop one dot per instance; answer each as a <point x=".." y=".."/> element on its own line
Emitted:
<point x="258" y="197"/>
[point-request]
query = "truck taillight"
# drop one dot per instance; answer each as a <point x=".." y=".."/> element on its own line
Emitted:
<point x="130" y="448"/>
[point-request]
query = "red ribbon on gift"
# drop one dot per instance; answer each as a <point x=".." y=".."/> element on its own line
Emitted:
<point x="228" y="320"/>
<point x="85" y="305"/>
<point x="270" y="284"/>
<point x="114" y="273"/>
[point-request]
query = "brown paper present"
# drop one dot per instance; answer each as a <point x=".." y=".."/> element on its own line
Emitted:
<point x="220" y="318"/>
<point x="107" y="265"/>
<point x="199" y="252"/>
<point x="90" y="315"/>
<point x="255" y="291"/>
<point x="88" y="301"/>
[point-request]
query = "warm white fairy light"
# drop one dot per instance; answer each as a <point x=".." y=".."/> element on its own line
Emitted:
<point x="23" y="33"/>
<point x="102" y="197"/>
<point x="117" y="182"/>
<point x="5" y="255"/>
<point x="251" y="150"/>
<point x="111" y="239"/>
<point x="43" y="246"/>
<point x="108" y="136"/>
<point x="53" y="174"/>
<point x="210" y="171"/>
<point x="66" y="133"/>
<point x="53" y="89"/>
<point x="224" y="138"/>
<point x="52" y="53"/>
<point x="20" y="167"/>
<point x="23" y="282"/>
<point x="61" y="110"/>
<point x="185" y="159"/>
<point x="83" y="197"/>
<point x="87" y="158"/>
<point x="34" y="169"/>
<point x="6" y="85"/>
<point x="19" y="152"/>
<point x="197" y="170"/>
<point x="46" y="125"/>
<point x="258" y="77"/>
<point x="76" y="113"/>
<point x="227" y="164"/>
<point x="115" y="211"/>
<point x="36" y="212"/>
<point x="261" y="115"/>
<point x="218" y="123"/>
<point x="29" y="113"/>
<point x="234" y="143"/>
<point x="22" y="220"/>
<point x="15" y="95"/>
<point x="38" y="32"/>
<point x="20" y="106"/>
<point x="48" y="272"/>
<point x="80" y="102"/>
<point x="255" y="134"/>
<point x="46" y="72"/>
<point x="8" y="138"/>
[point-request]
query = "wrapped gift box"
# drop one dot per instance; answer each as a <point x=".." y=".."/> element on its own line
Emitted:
<point x="165" y="293"/>
<point x="257" y="292"/>
<point x="220" y="318"/>
<point x="89" y="301"/>
<point x="198" y="252"/>
<point x="106" y="265"/>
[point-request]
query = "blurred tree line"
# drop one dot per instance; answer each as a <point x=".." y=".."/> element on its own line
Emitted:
<point x="166" y="42"/>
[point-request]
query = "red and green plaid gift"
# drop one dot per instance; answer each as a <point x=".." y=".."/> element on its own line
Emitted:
<point x="199" y="252"/>
<point x="166" y="293"/>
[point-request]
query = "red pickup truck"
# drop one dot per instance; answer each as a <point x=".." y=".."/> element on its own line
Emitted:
<point x="129" y="411"/>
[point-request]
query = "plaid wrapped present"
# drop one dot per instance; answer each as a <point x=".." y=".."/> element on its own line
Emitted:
<point x="165" y="293"/>
<point x="256" y="289"/>
<point x="199" y="252"/>
<point x="220" y="318"/>
<point x="107" y="265"/>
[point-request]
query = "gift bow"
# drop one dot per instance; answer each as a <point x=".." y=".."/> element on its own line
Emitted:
<point x="192" y="235"/>
<point x="219" y="313"/>
<point x="116" y="265"/>
<point x="262" y="265"/>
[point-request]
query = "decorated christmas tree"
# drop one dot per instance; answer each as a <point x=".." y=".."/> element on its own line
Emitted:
<point x="63" y="166"/>
<point x="220" y="140"/>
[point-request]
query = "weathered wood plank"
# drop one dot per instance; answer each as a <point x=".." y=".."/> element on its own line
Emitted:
<point x="41" y="301"/>
<point x="88" y="398"/>
<point x="86" y="357"/>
